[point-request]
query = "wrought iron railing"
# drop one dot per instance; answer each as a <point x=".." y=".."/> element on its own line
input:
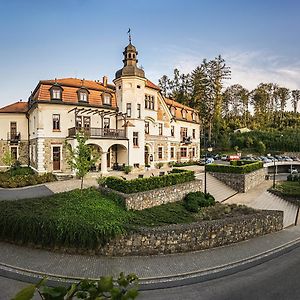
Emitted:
<point x="98" y="132"/>
<point x="13" y="136"/>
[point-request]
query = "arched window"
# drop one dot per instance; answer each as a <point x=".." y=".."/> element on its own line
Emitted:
<point x="183" y="112"/>
<point x="173" y="111"/>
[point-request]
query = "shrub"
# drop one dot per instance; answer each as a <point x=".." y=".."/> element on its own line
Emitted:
<point x="244" y="169"/>
<point x="149" y="183"/>
<point x="159" y="165"/>
<point x="195" y="200"/>
<point x="185" y="164"/>
<point x="127" y="169"/>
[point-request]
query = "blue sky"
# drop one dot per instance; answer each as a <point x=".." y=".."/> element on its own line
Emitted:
<point x="85" y="39"/>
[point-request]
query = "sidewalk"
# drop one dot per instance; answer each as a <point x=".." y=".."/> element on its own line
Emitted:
<point x="154" y="271"/>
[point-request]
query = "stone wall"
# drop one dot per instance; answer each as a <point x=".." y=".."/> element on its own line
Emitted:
<point x="195" y="236"/>
<point x="142" y="200"/>
<point x="241" y="182"/>
<point x="22" y="151"/>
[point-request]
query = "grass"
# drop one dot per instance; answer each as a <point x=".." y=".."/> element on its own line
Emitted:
<point x="72" y="220"/>
<point x="289" y="189"/>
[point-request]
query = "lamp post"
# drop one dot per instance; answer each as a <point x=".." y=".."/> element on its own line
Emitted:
<point x="274" y="173"/>
<point x="209" y="149"/>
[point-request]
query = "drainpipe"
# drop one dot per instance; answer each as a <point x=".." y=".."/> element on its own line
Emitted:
<point x="28" y="137"/>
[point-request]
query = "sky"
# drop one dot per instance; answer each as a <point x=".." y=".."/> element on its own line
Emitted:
<point x="259" y="40"/>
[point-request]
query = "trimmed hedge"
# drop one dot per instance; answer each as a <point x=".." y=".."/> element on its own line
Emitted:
<point x="247" y="168"/>
<point x="241" y="162"/>
<point x="8" y="181"/>
<point x="194" y="201"/>
<point x="185" y="164"/>
<point x="145" y="184"/>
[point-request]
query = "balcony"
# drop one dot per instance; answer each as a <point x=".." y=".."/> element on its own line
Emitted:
<point x="13" y="137"/>
<point x="93" y="132"/>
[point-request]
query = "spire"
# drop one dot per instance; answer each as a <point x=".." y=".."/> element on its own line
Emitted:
<point x="129" y="35"/>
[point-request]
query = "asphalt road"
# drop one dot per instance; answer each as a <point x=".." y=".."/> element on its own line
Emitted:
<point x="26" y="192"/>
<point x="277" y="279"/>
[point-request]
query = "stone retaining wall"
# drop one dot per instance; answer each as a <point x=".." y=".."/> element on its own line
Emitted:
<point x="173" y="193"/>
<point x="241" y="182"/>
<point x="195" y="236"/>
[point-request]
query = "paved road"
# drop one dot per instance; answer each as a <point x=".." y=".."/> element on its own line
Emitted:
<point x="277" y="279"/>
<point x="27" y="192"/>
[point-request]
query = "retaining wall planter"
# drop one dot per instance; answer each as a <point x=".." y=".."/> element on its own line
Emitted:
<point x="147" y="199"/>
<point x="241" y="182"/>
<point x="195" y="236"/>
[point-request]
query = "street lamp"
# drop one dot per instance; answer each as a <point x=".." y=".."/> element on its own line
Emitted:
<point x="274" y="173"/>
<point x="209" y="149"/>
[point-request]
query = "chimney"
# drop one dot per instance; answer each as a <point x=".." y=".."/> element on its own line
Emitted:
<point x="104" y="80"/>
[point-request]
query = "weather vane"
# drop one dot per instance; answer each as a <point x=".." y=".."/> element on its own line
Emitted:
<point x="129" y="35"/>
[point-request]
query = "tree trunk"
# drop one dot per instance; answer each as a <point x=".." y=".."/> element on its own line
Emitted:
<point x="81" y="185"/>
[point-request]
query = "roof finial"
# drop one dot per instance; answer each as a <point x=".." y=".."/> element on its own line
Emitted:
<point x="129" y="35"/>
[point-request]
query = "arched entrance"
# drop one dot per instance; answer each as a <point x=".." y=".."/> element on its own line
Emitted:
<point x="96" y="150"/>
<point x="117" y="156"/>
<point x="147" y="154"/>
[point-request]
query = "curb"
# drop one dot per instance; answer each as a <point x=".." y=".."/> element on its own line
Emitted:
<point x="152" y="283"/>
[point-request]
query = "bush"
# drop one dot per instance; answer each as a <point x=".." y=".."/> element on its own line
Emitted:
<point x="23" y="177"/>
<point x="149" y="183"/>
<point x="159" y="165"/>
<point x="195" y="200"/>
<point x="185" y="164"/>
<point x="244" y="169"/>
<point x="127" y="169"/>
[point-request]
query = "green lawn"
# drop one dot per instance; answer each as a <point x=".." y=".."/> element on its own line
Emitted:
<point x="86" y="221"/>
<point x="289" y="188"/>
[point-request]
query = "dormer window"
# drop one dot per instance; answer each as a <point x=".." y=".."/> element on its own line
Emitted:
<point x="183" y="112"/>
<point x="194" y="116"/>
<point x="173" y="111"/>
<point x="83" y="96"/>
<point x="106" y="98"/>
<point x="56" y="93"/>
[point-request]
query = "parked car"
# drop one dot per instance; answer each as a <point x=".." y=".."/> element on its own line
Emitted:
<point x="209" y="160"/>
<point x="233" y="157"/>
<point x="286" y="158"/>
<point x="224" y="157"/>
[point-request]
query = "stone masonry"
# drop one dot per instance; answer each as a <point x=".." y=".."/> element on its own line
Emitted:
<point x="196" y="236"/>
<point x="241" y="182"/>
<point x="142" y="200"/>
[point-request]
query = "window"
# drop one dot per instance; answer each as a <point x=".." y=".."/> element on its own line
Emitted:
<point x="172" y="152"/>
<point x="173" y="111"/>
<point x="183" y="133"/>
<point x="14" y="153"/>
<point x="56" y="93"/>
<point x="106" y="122"/>
<point x="78" y="122"/>
<point x="147" y="127"/>
<point x="135" y="139"/>
<point x="139" y="110"/>
<point x="194" y="133"/>
<point x="138" y="86"/>
<point x="183" y="112"/>
<point x="13" y="131"/>
<point x="128" y="109"/>
<point x="183" y="152"/>
<point x="160" y="152"/>
<point x="106" y="98"/>
<point x="172" y="130"/>
<point x="83" y="96"/>
<point x="149" y="102"/>
<point x="160" y="129"/>
<point x="193" y="152"/>
<point x="86" y="122"/>
<point x="55" y="122"/>
<point x="194" y="116"/>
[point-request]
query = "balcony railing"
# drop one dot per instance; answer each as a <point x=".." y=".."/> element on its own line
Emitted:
<point x="98" y="132"/>
<point x="14" y="136"/>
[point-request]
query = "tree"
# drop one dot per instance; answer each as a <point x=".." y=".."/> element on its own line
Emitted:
<point x="82" y="158"/>
<point x="7" y="158"/>
<point x="295" y="99"/>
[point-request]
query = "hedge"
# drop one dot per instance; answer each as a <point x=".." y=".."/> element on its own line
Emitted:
<point x="145" y="184"/>
<point x="247" y="168"/>
<point x="185" y="164"/>
<point x="241" y="162"/>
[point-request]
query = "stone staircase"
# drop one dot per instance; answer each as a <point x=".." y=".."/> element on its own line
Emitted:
<point x="216" y="188"/>
<point x="262" y="199"/>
